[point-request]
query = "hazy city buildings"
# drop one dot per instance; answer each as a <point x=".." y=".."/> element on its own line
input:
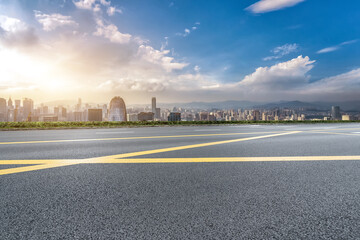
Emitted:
<point x="94" y="115"/>
<point x="28" y="106"/>
<point x="146" y="116"/>
<point x="15" y="110"/>
<point x="3" y="110"/>
<point x="335" y="113"/>
<point x="174" y="117"/>
<point x="117" y="110"/>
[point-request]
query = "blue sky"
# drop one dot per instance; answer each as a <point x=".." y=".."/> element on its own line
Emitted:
<point x="265" y="50"/>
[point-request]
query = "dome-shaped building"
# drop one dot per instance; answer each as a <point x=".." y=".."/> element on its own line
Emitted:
<point x="117" y="110"/>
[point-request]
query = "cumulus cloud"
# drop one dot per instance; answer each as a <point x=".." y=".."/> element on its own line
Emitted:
<point x="84" y="4"/>
<point x="264" y="6"/>
<point x="285" y="75"/>
<point x="337" y="47"/>
<point x="15" y="33"/>
<point x="52" y="21"/>
<point x="281" y="51"/>
<point x="111" y="32"/>
<point x="152" y="55"/>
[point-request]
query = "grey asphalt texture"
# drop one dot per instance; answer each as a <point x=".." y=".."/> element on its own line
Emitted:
<point x="228" y="200"/>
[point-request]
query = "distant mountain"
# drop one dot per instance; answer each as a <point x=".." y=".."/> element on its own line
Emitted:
<point x="292" y="105"/>
<point x="320" y="106"/>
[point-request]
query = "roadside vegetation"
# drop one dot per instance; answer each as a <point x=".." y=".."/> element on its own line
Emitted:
<point x="64" y="125"/>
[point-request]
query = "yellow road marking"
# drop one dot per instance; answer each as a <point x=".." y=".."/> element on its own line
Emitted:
<point x="32" y="168"/>
<point x="230" y="159"/>
<point x="43" y="161"/>
<point x="133" y="154"/>
<point x="46" y="163"/>
<point x="64" y="162"/>
<point x="129" y="138"/>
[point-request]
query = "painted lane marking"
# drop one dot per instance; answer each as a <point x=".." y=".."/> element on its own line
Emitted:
<point x="111" y="132"/>
<point x="134" y="154"/>
<point x="338" y="133"/>
<point x="233" y="159"/>
<point x="206" y="130"/>
<point x="113" y="157"/>
<point x="130" y="138"/>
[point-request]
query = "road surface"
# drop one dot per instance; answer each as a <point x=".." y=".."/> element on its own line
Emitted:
<point x="202" y="182"/>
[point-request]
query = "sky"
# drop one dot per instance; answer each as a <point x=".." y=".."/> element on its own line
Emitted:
<point x="180" y="50"/>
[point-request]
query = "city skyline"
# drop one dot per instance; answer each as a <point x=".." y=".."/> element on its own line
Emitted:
<point x="262" y="50"/>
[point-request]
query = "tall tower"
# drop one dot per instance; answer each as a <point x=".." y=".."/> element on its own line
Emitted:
<point x="335" y="113"/>
<point x="3" y="110"/>
<point x="153" y="105"/>
<point x="117" y="110"/>
<point x="28" y="108"/>
<point x="10" y="103"/>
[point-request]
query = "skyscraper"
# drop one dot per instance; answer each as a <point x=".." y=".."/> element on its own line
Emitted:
<point x="10" y="103"/>
<point x="3" y="110"/>
<point x="117" y="110"/>
<point x="28" y="108"/>
<point x="335" y="113"/>
<point x="153" y="105"/>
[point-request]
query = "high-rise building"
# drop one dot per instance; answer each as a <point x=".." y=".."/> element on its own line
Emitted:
<point x="117" y="110"/>
<point x="28" y="108"/>
<point x="335" y="113"/>
<point x="146" y="116"/>
<point x="174" y="117"/>
<point x="63" y="112"/>
<point x="132" y="117"/>
<point x="3" y="110"/>
<point x="10" y="103"/>
<point x="157" y="113"/>
<point x="153" y="105"/>
<point x="17" y="104"/>
<point x="256" y="115"/>
<point x="95" y="115"/>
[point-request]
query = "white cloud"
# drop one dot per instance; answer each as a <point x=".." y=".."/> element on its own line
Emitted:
<point x="283" y="75"/>
<point x="271" y="5"/>
<point x="15" y="33"/>
<point x="111" y="32"/>
<point x="105" y="3"/>
<point x="164" y="44"/>
<point x="196" y="68"/>
<point x="345" y="82"/>
<point x="328" y="49"/>
<point x="154" y="56"/>
<point x="187" y="31"/>
<point x="337" y="47"/>
<point x="11" y="24"/>
<point x="281" y="51"/>
<point x="53" y="21"/>
<point x="112" y="10"/>
<point x="84" y="4"/>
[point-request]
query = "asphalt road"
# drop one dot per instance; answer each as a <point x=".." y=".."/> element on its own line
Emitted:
<point x="201" y="182"/>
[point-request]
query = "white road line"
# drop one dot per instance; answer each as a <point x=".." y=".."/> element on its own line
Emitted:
<point x="206" y="130"/>
<point x="112" y="132"/>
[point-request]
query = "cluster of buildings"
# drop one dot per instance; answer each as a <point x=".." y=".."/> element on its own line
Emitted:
<point x="17" y="111"/>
